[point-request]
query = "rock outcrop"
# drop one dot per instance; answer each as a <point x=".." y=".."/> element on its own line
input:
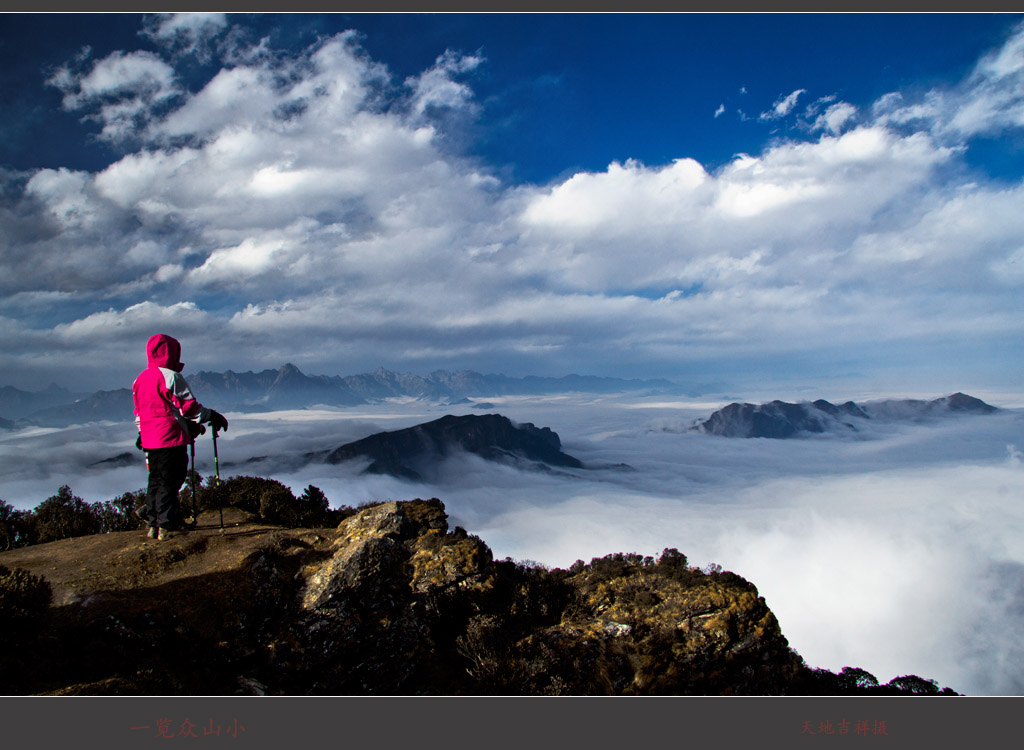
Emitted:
<point x="390" y="602"/>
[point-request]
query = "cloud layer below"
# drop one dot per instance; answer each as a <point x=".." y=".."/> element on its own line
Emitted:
<point x="898" y="551"/>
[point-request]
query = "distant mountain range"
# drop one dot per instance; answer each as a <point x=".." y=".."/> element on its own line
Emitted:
<point x="18" y="404"/>
<point x="289" y="388"/>
<point x="778" y="419"/>
<point x="411" y="452"/>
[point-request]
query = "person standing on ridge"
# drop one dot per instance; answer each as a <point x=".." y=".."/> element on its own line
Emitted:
<point x="168" y="418"/>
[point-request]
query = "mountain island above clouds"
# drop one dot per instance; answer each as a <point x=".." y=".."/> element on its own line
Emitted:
<point x="415" y="451"/>
<point x="410" y="452"/>
<point x="778" y="419"/>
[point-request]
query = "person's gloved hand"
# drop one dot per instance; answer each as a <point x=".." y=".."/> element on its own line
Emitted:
<point x="138" y="442"/>
<point x="195" y="430"/>
<point x="217" y="421"/>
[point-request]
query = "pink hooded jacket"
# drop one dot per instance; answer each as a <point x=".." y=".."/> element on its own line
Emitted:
<point x="163" y="402"/>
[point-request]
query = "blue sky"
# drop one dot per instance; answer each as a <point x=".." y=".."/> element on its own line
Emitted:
<point x="802" y="200"/>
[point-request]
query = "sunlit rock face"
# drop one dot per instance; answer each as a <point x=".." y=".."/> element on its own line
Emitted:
<point x="399" y="585"/>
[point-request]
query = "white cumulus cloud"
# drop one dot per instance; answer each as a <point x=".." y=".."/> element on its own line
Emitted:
<point x="309" y="192"/>
<point x="783" y="106"/>
<point x="835" y="117"/>
<point x="186" y="32"/>
<point x="119" y="91"/>
<point x="438" y="87"/>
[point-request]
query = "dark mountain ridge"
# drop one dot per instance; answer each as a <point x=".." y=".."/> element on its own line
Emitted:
<point x="780" y="420"/>
<point x="413" y="451"/>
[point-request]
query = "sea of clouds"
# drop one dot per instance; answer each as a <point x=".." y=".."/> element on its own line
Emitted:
<point x="898" y="550"/>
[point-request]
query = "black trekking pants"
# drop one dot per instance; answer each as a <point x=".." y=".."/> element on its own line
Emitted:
<point x="168" y="468"/>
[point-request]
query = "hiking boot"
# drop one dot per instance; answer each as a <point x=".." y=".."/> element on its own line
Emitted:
<point x="164" y="534"/>
<point x="152" y="533"/>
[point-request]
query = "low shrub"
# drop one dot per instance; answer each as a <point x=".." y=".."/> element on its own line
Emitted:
<point x="856" y="681"/>
<point x="17" y="527"/>
<point x="119" y="514"/>
<point x="243" y="492"/>
<point x="271" y="501"/>
<point x="279" y="506"/>
<point x="185" y="496"/>
<point x="65" y="515"/>
<point x="914" y="685"/>
<point x="24" y="598"/>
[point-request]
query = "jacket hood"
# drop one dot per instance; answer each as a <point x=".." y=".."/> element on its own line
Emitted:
<point x="164" y="351"/>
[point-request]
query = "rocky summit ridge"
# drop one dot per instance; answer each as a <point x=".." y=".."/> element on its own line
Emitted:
<point x="391" y="601"/>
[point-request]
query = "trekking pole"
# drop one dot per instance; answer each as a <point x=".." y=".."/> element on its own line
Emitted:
<point x="216" y="469"/>
<point x="192" y="476"/>
<point x="193" y="433"/>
